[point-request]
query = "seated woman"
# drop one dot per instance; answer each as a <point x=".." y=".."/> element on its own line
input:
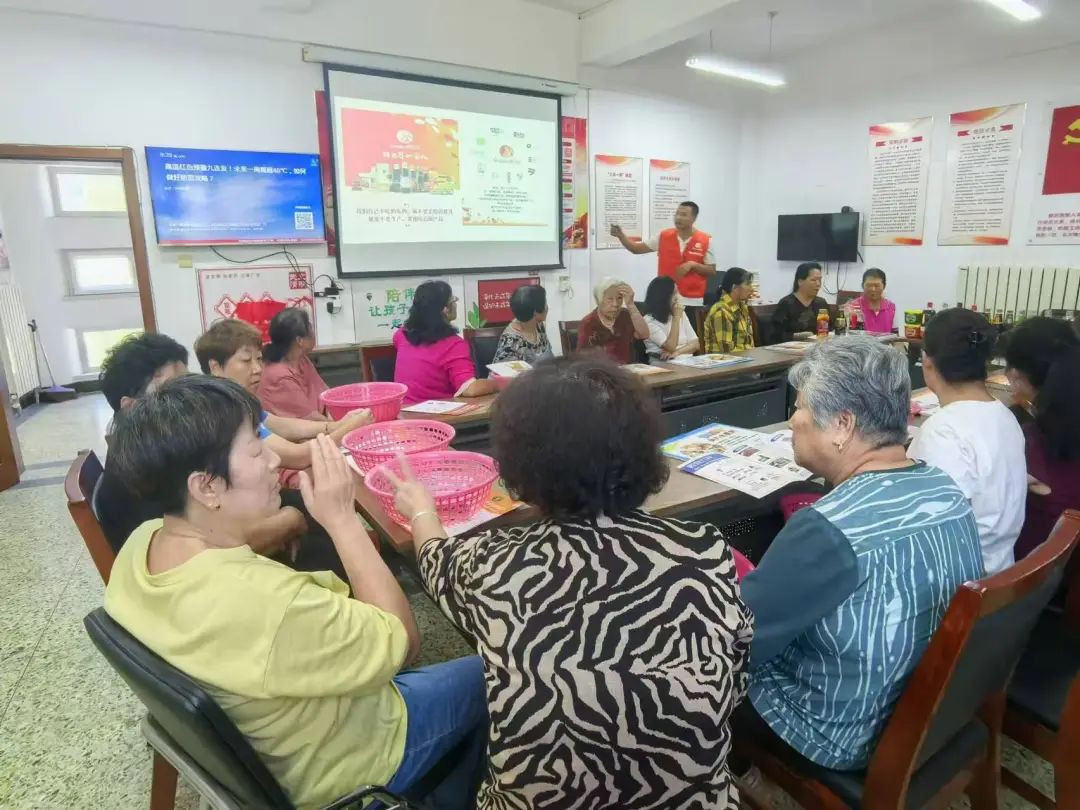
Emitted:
<point x="309" y="675"/>
<point x="973" y="437"/>
<point x="614" y="640"/>
<point x="727" y="326"/>
<point x="433" y="360"/>
<point x="877" y="313"/>
<point x="1042" y="358"/>
<point x="670" y="331"/>
<point x="615" y="323"/>
<point x="291" y="384"/>
<point x="849" y="593"/>
<point x="525" y="338"/>
<point x="796" y="314"/>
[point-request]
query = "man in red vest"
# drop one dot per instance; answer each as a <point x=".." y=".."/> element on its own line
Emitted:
<point x="684" y="253"/>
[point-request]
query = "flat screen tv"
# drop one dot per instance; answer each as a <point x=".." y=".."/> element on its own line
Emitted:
<point x="226" y="197"/>
<point x="817" y="237"/>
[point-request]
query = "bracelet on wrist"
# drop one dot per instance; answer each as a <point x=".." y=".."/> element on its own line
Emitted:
<point x="419" y="515"/>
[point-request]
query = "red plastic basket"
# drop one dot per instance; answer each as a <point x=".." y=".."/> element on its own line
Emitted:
<point x="383" y="398"/>
<point x="371" y="445"/>
<point x="460" y="483"/>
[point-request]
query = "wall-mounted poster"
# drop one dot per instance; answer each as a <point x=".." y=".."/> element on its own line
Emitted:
<point x="618" y="199"/>
<point x="669" y="185"/>
<point x="1055" y="211"/>
<point x="381" y="305"/>
<point x="493" y="298"/>
<point x="575" y="183"/>
<point x="326" y="170"/>
<point x="980" y="176"/>
<point x="899" y="154"/>
<point x="254" y="293"/>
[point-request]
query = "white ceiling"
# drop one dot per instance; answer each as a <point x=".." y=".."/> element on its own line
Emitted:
<point x="576" y="6"/>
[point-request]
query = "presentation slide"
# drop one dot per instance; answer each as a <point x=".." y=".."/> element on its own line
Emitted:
<point x="225" y="197"/>
<point x="443" y="177"/>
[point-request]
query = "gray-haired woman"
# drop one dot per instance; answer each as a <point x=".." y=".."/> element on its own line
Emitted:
<point x="851" y="590"/>
<point x="615" y="322"/>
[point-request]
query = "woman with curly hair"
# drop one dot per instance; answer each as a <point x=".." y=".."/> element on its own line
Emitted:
<point x="613" y="640"/>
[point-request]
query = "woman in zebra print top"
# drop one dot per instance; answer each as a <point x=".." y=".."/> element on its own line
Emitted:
<point x="614" y="642"/>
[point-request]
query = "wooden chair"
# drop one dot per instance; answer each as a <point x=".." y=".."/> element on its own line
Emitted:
<point x="568" y="332"/>
<point x="79" y="485"/>
<point x="484" y="343"/>
<point x="1043" y="711"/>
<point x="377" y="363"/>
<point x="944" y="736"/>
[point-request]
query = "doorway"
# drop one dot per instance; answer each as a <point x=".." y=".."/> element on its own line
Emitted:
<point x="80" y="269"/>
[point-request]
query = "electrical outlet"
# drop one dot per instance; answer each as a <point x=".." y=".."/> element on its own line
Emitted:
<point x="564" y="282"/>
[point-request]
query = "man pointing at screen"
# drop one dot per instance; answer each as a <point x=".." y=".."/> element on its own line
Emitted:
<point x="683" y="252"/>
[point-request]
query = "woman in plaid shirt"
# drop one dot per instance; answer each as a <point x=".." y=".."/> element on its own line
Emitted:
<point x="727" y="326"/>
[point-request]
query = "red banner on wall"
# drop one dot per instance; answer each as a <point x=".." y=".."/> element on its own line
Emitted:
<point x="1063" y="154"/>
<point x="493" y="298"/>
<point x="322" y="119"/>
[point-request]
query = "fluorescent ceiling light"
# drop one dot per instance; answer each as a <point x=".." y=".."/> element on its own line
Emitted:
<point x="1020" y="9"/>
<point x="736" y="70"/>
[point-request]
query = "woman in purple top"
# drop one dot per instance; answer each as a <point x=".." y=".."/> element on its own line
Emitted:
<point x="878" y="312"/>
<point x="432" y="359"/>
<point x="1042" y="358"/>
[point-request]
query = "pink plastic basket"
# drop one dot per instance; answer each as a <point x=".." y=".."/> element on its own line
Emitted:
<point x="460" y="483"/>
<point x="383" y="398"/>
<point x="371" y="445"/>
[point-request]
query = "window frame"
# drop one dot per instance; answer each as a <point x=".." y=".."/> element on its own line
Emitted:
<point x="54" y="189"/>
<point x="81" y="332"/>
<point x="73" y="290"/>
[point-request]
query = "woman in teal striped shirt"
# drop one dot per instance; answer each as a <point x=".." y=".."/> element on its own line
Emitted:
<point x="851" y="590"/>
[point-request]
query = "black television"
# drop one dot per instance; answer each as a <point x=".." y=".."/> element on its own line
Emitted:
<point x="817" y="237"/>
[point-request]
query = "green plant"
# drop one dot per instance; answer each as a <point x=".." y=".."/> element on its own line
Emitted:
<point x="473" y="319"/>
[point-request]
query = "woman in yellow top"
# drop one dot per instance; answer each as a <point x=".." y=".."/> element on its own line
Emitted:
<point x="727" y="326"/>
<point x="309" y="675"/>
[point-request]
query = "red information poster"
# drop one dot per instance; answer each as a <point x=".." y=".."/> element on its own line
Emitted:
<point x="493" y="298"/>
<point x="322" y="118"/>
<point x="575" y="183"/>
<point x="899" y="170"/>
<point x="400" y="153"/>
<point x="1055" y="218"/>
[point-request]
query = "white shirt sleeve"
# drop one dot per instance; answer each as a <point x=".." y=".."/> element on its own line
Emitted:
<point x="939" y="445"/>
<point x="710" y="257"/>
<point x="686" y="331"/>
<point x="653" y="243"/>
<point x="658" y="334"/>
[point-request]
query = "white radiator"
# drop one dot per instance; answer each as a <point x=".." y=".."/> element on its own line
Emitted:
<point x="1016" y="292"/>
<point x="16" y="342"/>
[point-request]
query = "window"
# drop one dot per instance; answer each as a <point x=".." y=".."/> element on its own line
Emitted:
<point x="97" y="272"/>
<point x="87" y="191"/>
<point x="94" y="344"/>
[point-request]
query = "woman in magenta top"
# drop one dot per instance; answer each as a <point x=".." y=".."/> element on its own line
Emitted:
<point x="291" y="384"/>
<point x="878" y="312"/>
<point x="1042" y="358"/>
<point x="432" y="359"/>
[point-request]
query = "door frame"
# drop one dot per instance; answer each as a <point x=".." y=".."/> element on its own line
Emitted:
<point x="125" y="156"/>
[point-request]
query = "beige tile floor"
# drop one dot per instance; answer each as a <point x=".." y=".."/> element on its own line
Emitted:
<point x="68" y="726"/>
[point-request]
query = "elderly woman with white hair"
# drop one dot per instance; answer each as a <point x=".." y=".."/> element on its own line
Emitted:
<point x="615" y="322"/>
<point x="851" y="590"/>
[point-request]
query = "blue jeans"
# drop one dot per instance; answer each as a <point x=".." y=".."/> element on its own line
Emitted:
<point x="447" y="712"/>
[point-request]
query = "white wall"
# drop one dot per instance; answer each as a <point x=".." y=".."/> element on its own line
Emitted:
<point x="808" y="157"/>
<point x="35" y="240"/>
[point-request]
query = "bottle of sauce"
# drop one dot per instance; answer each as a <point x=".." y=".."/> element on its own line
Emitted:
<point x="927" y="314"/>
<point x="854" y="315"/>
<point x="841" y="323"/>
<point x="822" y="323"/>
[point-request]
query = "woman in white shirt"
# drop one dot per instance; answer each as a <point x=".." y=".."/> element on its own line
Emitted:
<point x="973" y="437"/>
<point x="670" y="331"/>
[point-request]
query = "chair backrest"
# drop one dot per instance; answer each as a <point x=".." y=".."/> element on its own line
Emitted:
<point x="188" y="715"/>
<point x="712" y="289"/>
<point x="568" y="332"/>
<point x="970" y="659"/>
<point x="844" y="296"/>
<point x="79" y="486"/>
<point x="483" y="343"/>
<point x="378" y="362"/>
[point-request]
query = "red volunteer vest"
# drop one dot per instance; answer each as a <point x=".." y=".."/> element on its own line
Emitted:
<point x="669" y="257"/>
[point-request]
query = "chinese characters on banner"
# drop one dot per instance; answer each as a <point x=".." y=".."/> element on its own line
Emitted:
<point x="575" y="183"/>
<point x="1056" y="207"/>
<point x="899" y="168"/>
<point x="618" y="199"/>
<point x="381" y="305"/>
<point x="493" y="298"/>
<point x="669" y="185"/>
<point x="980" y="176"/>
<point x="253" y="293"/>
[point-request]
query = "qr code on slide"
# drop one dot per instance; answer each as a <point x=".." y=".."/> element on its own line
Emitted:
<point x="304" y="220"/>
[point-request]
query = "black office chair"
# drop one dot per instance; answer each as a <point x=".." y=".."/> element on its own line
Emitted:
<point x="712" y="289"/>
<point x="187" y="728"/>
<point x="484" y="343"/>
